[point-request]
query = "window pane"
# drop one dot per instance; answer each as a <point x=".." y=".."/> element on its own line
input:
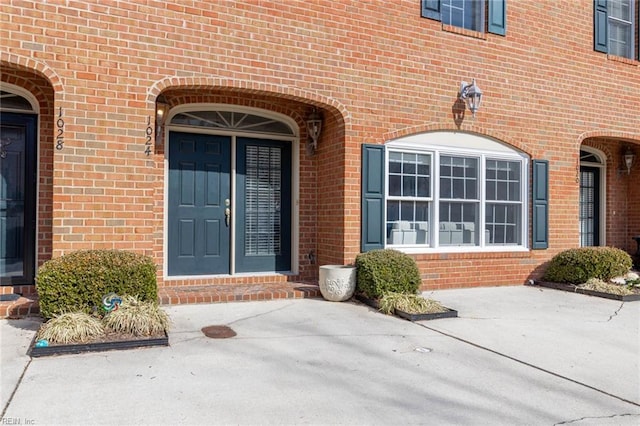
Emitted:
<point x="620" y="39"/>
<point x="514" y="191"/>
<point x="263" y="217"/>
<point x="470" y="190"/>
<point x="458" y="188"/>
<point x="467" y="14"/>
<point x="502" y="223"/>
<point x="423" y="187"/>
<point x="395" y="162"/>
<point x="408" y="222"/>
<point x="502" y="180"/>
<point x="406" y="210"/>
<point x="458" y="224"/>
<point x="445" y="188"/>
<point x="409" y="168"/>
<point x="620" y="9"/>
<point x="458" y="178"/>
<point x="409" y="175"/>
<point x="409" y="186"/>
<point x="394" y="186"/>
<point x="393" y="211"/>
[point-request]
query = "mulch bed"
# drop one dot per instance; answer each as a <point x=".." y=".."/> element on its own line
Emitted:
<point x="575" y="289"/>
<point x="106" y="342"/>
<point x="449" y="313"/>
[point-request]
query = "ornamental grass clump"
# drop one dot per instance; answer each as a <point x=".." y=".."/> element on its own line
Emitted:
<point x="598" y="285"/>
<point x="386" y="270"/>
<point x="409" y="303"/>
<point x="577" y="266"/>
<point x="71" y="327"/>
<point x="79" y="280"/>
<point x="138" y="318"/>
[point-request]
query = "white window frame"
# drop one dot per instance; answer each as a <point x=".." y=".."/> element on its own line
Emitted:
<point x="629" y="26"/>
<point x="467" y="145"/>
<point x="478" y="21"/>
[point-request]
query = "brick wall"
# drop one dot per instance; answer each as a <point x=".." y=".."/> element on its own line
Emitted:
<point x="376" y="70"/>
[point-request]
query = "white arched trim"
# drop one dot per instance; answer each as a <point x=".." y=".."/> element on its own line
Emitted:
<point x="17" y="90"/>
<point x="288" y="121"/>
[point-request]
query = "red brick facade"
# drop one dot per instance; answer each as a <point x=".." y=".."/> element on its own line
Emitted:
<point x="376" y="70"/>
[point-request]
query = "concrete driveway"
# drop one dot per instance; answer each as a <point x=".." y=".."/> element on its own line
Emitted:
<point x="517" y="355"/>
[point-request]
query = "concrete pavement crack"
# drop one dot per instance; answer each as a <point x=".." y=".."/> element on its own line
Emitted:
<point x="613" y="416"/>
<point x="6" y="407"/>
<point x="616" y="312"/>
<point x="560" y="376"/>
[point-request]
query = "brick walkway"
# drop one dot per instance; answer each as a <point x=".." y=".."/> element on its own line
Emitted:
<point x="26" y="306"/>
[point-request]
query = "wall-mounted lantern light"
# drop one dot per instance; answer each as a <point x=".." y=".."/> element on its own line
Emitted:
<point x="471" y="95"/>
<point x="162" y="108"/>
<point x="314" y="125"/>
<point x="628" y="157"/>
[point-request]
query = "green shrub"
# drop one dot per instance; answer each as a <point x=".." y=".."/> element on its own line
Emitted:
<point x="137" y="318"/>
<point x="386" y="270"/>
<point x="577" y="266"/>
<point x="78" y="281"/>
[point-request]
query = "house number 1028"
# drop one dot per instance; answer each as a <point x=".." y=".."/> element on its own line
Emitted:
<point x="60" y="128"/>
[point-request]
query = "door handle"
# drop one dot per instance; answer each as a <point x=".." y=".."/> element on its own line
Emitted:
<point x="227" y="212"/>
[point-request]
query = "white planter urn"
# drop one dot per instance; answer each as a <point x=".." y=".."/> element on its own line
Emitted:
<point x="337" y="282"/>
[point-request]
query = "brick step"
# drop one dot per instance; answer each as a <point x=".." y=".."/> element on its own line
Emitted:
<point x="27" y="306"/>
<point x="20" y="308"/>
<point x="236" y="293"/>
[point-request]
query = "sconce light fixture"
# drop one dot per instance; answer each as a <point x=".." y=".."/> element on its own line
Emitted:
<point x="471" y="95"/>
<point x="162" y="108"/>
<point x="314" y="125"/>
<point x="628" y="157"/>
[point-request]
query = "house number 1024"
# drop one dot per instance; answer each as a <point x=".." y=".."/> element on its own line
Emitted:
<point x="148" y="132"/>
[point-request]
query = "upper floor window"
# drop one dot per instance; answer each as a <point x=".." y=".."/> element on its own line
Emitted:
<point x="468" y="14"/>
<point x="614" y="27"/>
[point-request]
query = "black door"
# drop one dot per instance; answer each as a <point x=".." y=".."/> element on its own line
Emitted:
<point x="17" y="198"/>
<point x="589" y="206"/>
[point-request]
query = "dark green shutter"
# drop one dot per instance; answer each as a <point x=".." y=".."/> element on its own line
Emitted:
<point x="431" y="9"/>
<point x="372" y="229"/>
<point x="600" y="26"/>
<point x="540" y="204"/>
<point x="498" y="17"/>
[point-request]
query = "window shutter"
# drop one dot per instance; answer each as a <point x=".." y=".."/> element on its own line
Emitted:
<point x="372" y="229"/>
<point x="431" y="9"/>
<point x="540" y="204"/>
<point x="600" y="26"/>
<point x="498" y="17"/>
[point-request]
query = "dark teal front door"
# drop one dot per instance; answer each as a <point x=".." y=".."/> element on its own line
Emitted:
<point x="201" y="216"/>
<point x="17" y="198"/>
<point x="264" y="206"/>
<point x="199" y="194"/>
